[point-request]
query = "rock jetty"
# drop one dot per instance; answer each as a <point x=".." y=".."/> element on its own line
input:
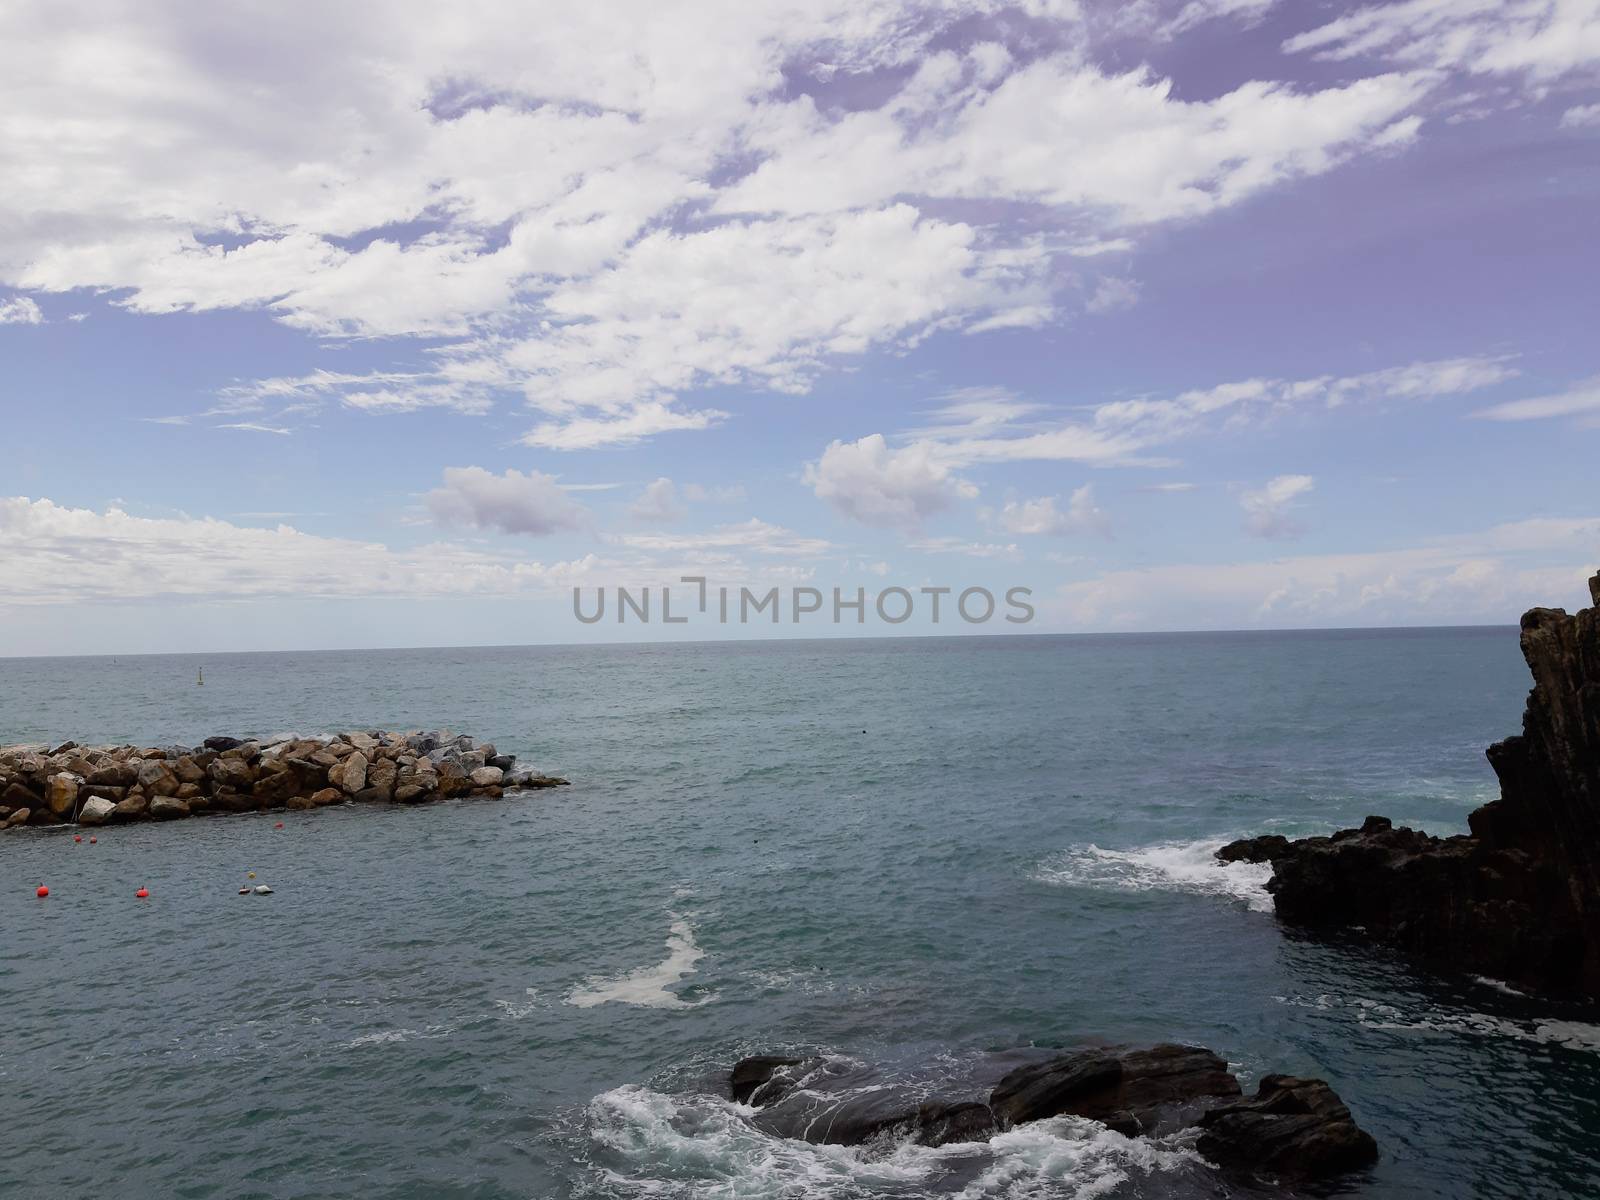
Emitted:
<point x="99" y="785"/>
<point x="1291" y="1131"/>
<point x="1517" y="899"/>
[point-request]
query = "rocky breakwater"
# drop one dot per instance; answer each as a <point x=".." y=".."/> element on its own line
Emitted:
<point x="98" y="785"/>
<point x="1291" y="1131"/>
<point x="1517" y="899"/>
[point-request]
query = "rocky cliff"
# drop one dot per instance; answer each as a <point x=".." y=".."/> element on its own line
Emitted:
<point x="1519" y="898"/>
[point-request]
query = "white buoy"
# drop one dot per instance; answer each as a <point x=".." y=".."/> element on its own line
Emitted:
<point x="262" y="889"/>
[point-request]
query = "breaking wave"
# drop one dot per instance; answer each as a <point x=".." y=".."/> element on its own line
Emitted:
<point x="1166" y="866"/>
<point x="678" y="1147"/>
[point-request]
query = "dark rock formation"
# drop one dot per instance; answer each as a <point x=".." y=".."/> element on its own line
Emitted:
<point x="1129" y="1090"/>
<point x="1519" y="898"/>
<point x="1291" y="1129"/>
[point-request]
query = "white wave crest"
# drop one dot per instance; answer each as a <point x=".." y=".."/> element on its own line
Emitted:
<point x="1166" y="866"/>
<point x="647" y="986"/>
<point x="702" y="1147"/>
<point x="1374" y="1014"/>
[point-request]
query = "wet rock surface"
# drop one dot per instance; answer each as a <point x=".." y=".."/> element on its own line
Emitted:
<point x="1292" y="1130"/>
<point x="1518" y="899"/>
<point x="96" y="785"/>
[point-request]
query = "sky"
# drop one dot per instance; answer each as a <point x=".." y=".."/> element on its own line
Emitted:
<point x="393" y="324"/>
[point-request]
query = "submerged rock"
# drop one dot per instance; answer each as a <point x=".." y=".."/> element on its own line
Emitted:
<point x="1519" y="898"/>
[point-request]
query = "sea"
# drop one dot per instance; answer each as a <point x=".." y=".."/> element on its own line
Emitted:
<point x="907" y="852"/>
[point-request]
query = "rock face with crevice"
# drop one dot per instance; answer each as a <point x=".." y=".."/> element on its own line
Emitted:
<point x="1517" y="899"/>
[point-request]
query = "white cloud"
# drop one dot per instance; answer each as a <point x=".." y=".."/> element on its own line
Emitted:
<point x="511" y="503"/>
<point x="1112" y="295"/>
<point x="1120" y="431"/>
<point x="754" y="534"/>
<point x="1081" y="516"/>
<point x="897" y="489"/>
<point x="952" y="545"/>
<point x="20" y="310"/>
<point x="1580" y="116"/>
<point x="659" y="502"/>
<point x="1582" y="399"/>
<point x="900" y="486"/>
<point x="1268" y="508"/>
<point x="1061" y="133"/>
<point x="1479" y="578"/>
<point x="1540" y="39"/>
<point x="60" y="555"/>
<point x="599" y="210"/>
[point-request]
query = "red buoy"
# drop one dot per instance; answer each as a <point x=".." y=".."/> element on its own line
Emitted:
<point x="77" y="837"/>
<point x="42" y="892"/>
<point x="142" y="894"/>
<point x="92" y="841"/>
<point x="279" y="825"/>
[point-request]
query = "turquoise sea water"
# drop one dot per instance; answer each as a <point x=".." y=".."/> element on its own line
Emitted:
<point x="907" y="851"/>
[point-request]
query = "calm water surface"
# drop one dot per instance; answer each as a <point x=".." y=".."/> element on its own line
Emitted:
<point x="907" y="851"/>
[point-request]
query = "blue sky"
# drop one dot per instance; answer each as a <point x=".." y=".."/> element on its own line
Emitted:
<point x="377" y="325"/>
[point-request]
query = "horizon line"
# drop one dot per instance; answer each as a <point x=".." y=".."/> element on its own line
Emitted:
<point x="781" y="639"/>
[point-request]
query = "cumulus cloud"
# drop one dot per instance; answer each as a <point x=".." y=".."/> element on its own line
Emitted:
<point x="594" y="212"/>
<point x="20" y="310"/>
<point x="659" y="502"/>
<point x="511" y="503"/>
<point x="1042" y="516"/>
<point x="1581" y="115"/>
<point x="60" y="555"/>
<point x="869" y="482"/>
<point x="1268" y="508"/>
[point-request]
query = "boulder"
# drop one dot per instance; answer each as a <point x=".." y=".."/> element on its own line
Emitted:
<point x="19" y="816"/>
<point x="17" y="795"/>
<point x="114" y="774"/>
<point x="327" y="796"/>
<point x="353" y="773"/>
<point x="222" y="743"/>
<point x="409" y="793"/>
<point x="61" y="794"/>
<point x="132" y="808"/>
<point x="487" y="777"/>
<point x="96" y="810"/>
<point x="168" y="808"/>
<point x="381" y="777"/>
<point x="300" y="803"/>
<point x="157" y="779"/>
<point x="1132" y="1091"/>
<point x="1291" y="1129"/>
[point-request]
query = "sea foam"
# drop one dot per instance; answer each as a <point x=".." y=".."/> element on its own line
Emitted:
<point x="704" y="1147"/>
<point x="648" y="986"/>
<point x="1166" y="866"/>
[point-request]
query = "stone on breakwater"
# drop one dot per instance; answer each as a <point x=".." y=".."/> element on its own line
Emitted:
<point x="1517" y="900"/>
<point x="103" y="784"/>
<point x="96" y="811"/>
